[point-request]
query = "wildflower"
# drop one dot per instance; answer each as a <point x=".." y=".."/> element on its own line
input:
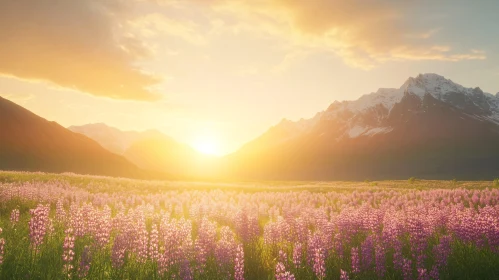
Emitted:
<point x="423" y="274"/>
<point x="281" y="273"/>
<point x="68" y="251"/>
<point x="186" y="270"/>
<point x="153" y="243"/>
<point x="367" y="249"/>
<point x="355" y="260"/>
<point x="343" y="275"/>
<point x="239" y="263"/>
<point x="297" y="255"/>
<point x="380" y="261"/>
<point x="38" y="225"/>
<point x="2" y="247"/>
<point x="14" y="217"/>
<point x="103" y="231"/>
<point x="85" y="262"/>
<point x="319" y="264"/>
<point x="118" y="251"/>
<point x="60" y="212"/>
<point x="407" y="269"/>
<point x="441" y="253"/>
<point x="200" y="256"/>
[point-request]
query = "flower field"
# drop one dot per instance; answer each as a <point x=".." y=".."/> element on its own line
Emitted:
<point x="80" y="227"/>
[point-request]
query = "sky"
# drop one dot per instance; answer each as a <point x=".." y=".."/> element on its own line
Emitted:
<point x="218" y="73"/>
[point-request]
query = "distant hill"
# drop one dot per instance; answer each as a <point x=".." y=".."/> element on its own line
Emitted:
<point x="430" y="128"/>
<point x="113" y="139"/>
<point x="151" y="150"/>
<point x="31" y="143"/>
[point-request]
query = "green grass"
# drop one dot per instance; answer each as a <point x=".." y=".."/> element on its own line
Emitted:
<point x="21" y="262"/>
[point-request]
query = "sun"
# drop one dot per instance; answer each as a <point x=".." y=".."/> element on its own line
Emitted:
<point x="206" y="147"/>
<point x="206" y="143"/>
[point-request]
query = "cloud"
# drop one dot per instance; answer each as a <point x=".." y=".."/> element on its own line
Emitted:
<point x="156" y="24"/>
<point x="364" y="33"/>
<point x="20" y="98"/>
<point x="83" y="45"/>
<point x="97" y="46"/>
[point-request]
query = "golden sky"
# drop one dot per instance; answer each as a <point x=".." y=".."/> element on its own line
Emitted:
<point x="224" y="71"/>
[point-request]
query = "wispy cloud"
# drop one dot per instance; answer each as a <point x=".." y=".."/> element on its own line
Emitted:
<point x="83" y="45"/>
<point x="20" y="98"/>
<point x="96" y="46"/>
<point x="156" y="25"/>
<point x="363" y="33"/>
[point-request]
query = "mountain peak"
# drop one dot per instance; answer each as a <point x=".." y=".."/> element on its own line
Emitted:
<point x="429" y="83"/>
<point x="431" y="76"/>
<point x="113" y="138"/>
<point x="32" y="143"/>
<point x="430" y="126"/>
<point x="371" y="111"/>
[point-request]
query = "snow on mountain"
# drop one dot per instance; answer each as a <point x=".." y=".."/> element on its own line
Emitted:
<point x="433" y="84"/>
<point x="366" y="116"/>
<point x="446" y="90"/>
<point x="356" y="131"/>
<point x="376" y="130"/>
<point x="430" y="127"/>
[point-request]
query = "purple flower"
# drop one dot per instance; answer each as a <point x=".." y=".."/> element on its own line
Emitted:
<point x="200" y="256"/>
<point x="68" y="251"/>
<point x="297" y="255"/>
<point x="226" y="248"/>
<point x="38" y="225"/>
<point x="14" y="217"/>
<point x="281" y="273"/>
<point x="407" y="269"/>
<point x="343" y="275"/>
<point x="319" y="264"/>
<point x="85" y="262"/>
<point x="441" y="253"/>
<point x="239" y="263"/>
<point x="154" y="243"/>
<point x="367" y="250"/>
<point x="102" y="233"/>
<point x="60" y="212"/>
<point x="423" y="274"/>
<point x="2" y="247"/>
<point x="118" y="251"/>
<point x="355" y="260"/>
<point x="380" y="260"/>
<point x="185" y="270"/>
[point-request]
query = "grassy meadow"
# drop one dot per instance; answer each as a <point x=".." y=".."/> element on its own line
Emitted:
<point x="69" y="226"/>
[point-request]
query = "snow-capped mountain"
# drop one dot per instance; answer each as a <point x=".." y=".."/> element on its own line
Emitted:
<point x="370" y="114"/>
<point x="429" y="127"/>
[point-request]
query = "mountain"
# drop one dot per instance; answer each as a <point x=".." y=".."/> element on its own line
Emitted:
<point x="151" y="150"/>
<point x="430" y="127"/>
<point x="31" y="143"/>
<point x="163" y="154"/>
<point x="111" y="138"/>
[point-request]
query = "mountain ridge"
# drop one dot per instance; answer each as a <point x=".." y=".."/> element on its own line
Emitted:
<point x="151" y="150"/>
<point x="437" y="86"/>
<point x="429" y="127"/>
<point x="29" y="142"/>
<point x="429" y="124"/>
<point x="114" y="139"/>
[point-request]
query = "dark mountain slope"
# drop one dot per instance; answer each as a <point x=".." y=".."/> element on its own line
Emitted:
<point x="429" y="128"/>
<point x="31" y="143"/>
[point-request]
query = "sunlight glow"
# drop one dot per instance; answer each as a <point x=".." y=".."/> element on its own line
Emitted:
<point x="207" y="143"/>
